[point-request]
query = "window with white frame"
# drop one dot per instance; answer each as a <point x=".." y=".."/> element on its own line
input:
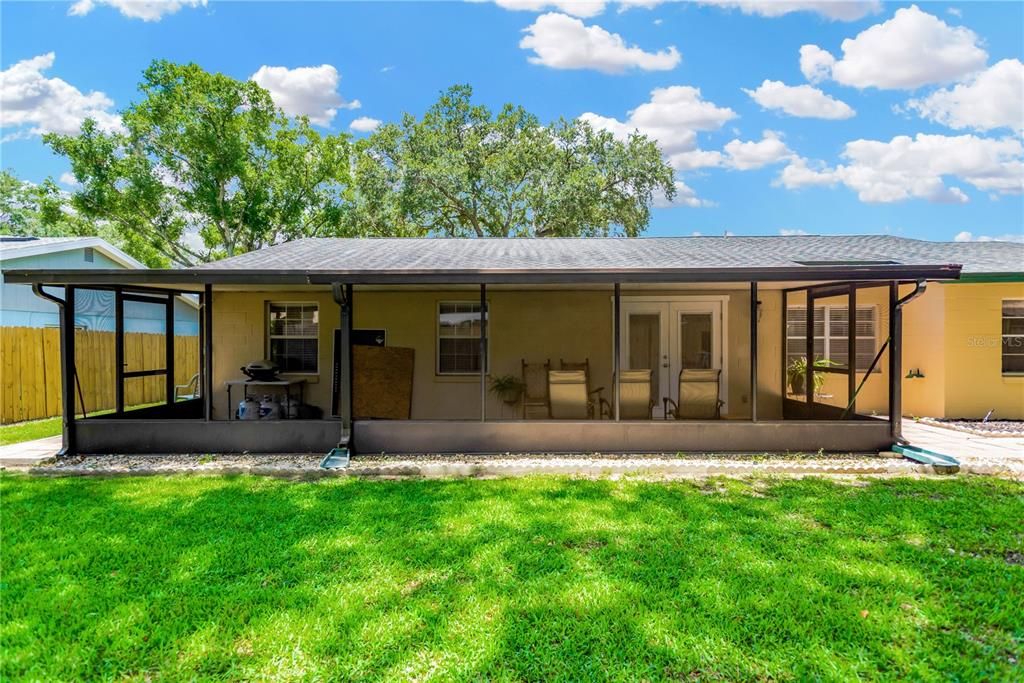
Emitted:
<point x="458" y="337"/>
<point x="1013" y="337"/>
<point x="293" y="336"/>
<point x="831" y="334"/>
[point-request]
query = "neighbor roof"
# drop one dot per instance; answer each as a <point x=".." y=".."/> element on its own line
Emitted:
<point x="12" y="247"/>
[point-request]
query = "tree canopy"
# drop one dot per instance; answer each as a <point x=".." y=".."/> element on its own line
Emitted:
<point x="206" y="166"/>
<point x="462" y="171"/>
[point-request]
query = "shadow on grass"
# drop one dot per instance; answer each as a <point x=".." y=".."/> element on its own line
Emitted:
<point x="544" y="578"/>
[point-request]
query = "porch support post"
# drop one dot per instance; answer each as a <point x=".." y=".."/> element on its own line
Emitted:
<point x="343" y="295"/>
<point x="483" y="352"/>
<point x="809" y="380"/>
<point x="169" y="349"/>
<point x="68" y="369"/>
<point x="895" y="362"/>
<point x="118" y="351"/>
<point x="851" y="353"/>
<point x="617" y="345"/>
<point x="785" y="348"/>
<point x="207" y="369"/>
<point x="753" y="351"/>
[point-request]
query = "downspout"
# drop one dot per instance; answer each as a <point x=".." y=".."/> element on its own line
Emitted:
<point x="896" y="366"/>
<point x="339" y="456"/>
<point x="67" y="371"/>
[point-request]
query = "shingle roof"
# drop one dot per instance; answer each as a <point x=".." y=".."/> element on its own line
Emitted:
<point x="438" y="255"/>
<point x="14" y="247"/>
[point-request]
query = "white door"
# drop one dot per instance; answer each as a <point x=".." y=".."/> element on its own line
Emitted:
<point x="667" y="335"/>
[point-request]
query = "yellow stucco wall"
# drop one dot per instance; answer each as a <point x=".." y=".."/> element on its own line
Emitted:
<point x="973" y="352"/>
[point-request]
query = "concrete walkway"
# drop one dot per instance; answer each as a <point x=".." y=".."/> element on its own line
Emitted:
<point x="976" y="452"/>
<point x="29" y="453"/>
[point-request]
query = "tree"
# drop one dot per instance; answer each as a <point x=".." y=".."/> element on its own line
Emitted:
<point x="461" y="171"/>
<point x="206" y="166"/>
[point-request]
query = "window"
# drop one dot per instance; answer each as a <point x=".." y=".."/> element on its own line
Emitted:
<point x="1013" y="337"/>
<point x="293" y="337"/>
<point x="458" y="338"/>
<point x="831" y="332"/>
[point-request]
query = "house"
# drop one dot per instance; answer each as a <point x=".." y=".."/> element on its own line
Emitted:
<point x="19" y="307"/>
<point x="393" y="344"/>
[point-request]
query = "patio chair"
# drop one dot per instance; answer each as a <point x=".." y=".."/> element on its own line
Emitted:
<point x="191" y="387"/>
<point x="597" y="406"/>
<point x="567" y="390"/>
<point x="699" y="392"/>
<point x="535" y="390"/>
<point x="635" y="400"/>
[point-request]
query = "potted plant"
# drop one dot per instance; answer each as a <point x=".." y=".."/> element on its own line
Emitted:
<point x="796" y="374"/>
<point x="508" y="387"/>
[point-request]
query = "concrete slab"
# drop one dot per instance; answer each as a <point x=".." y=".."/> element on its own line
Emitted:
<point x="29" y="453"/>
<point x="978" y="453"/>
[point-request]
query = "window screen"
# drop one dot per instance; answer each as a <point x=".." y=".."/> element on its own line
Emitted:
<point x="458" y="337"/>
<point x="1013" y="337"/>
<point x="831" y="332"/>
<point x="293" y="336"/>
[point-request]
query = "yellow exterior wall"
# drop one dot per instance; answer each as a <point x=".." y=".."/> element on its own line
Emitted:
<point x="973" y="350"/>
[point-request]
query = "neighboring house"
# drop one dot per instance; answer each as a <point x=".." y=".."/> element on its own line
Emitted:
<point x="672" y="325"/>
<point x="19" y="307"/>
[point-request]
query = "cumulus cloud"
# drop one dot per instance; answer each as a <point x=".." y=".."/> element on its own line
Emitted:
<point x="815" y="63"/>
<point x="910" y="50"/>
<point x="835" y="10"/>
<point x="364" y="124"/>
<point x="577" y="8"/>
<point x="685" y="196"/>
<point x="563" y="42"/>
<point x="917" y="168"/>
<point x="967" y="236"/>
<point x="804" y="101"/>
<point x="791" y="232"/>
<point x="147" y="10"/>
<point x="747" y="156"/>
<point x="310" y="91"/>
<point x="33" y="104"/>
<point x="672" y="118"/>
<point x="991" y="99"/>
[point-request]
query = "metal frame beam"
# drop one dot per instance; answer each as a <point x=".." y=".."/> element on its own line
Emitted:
<point x="207" y="364"/>
<point x="483" y="352"/>
<point x="617" y="348"/>
<point x="753" y="351"/>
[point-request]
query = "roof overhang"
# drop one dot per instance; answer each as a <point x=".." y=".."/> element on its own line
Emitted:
<point x="202" y="276"/>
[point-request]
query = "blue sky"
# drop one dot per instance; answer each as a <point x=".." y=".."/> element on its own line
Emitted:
<point x="813" y="150"/>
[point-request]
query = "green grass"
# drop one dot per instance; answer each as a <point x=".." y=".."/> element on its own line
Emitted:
<point x="210" y="578"/>
<point x="29" y="431"/>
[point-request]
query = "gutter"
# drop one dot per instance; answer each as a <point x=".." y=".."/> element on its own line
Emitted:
<point x="67" y="369"/>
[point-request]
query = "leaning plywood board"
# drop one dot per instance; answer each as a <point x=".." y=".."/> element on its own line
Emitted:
<point x="383" y="382"/>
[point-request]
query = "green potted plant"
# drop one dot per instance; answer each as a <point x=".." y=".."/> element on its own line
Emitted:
<point x="507" y="387"/>
<point x="796" y="374"/>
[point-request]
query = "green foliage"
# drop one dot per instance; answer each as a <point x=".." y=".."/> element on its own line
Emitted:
<point x="242" y="578"/>
<point x="796" y="372"/>
<point x="206" y="167"/>
<point x="461" y="171"/>
<point x="508" y="387"/>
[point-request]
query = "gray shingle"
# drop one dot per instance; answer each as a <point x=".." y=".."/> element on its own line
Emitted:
<point x="435" y="254"/>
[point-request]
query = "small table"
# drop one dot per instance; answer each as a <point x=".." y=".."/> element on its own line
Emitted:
<point x="286" y="383"/>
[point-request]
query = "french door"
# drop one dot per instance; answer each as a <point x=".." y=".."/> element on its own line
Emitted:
<point x="669" y="334"/>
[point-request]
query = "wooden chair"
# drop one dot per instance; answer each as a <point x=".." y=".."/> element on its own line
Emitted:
<point x="699" y="392"/>
<point x="597" y="406"/>
<point x="535" y="390"/>
<point x="635" y="400"/>
<point x="567" y="390"/>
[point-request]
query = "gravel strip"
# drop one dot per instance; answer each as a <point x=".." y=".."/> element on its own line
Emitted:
<point x="994" y="428"/>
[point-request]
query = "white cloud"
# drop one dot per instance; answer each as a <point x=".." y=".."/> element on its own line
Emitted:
<point x="918" y="167"/>
<point x="35" y="104"/>
<point x="68" y="178"/>
<point x="836" y="10"/>
<point x="685" y="196"/>
<point x="791" y="232"/>
<point x="967" y="236"/>
<point x="747" y="156"/>
<point x="147" y="10"/>
<point x="562" y="42"/>
<point x="991" y="99"/>
<point x="955" y="11"/>
<point x="385" y="69"/>
<point x="305" y="91"/>
<point x="912" y="49"/>
<point x="364" y="124"/>
<point x="815" y="63"/>
<point x="804" y="101"/>
<point x="577" y="8"/>
<point x="672" y="118"/>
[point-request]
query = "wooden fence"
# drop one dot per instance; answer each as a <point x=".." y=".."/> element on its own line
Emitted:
<point x="30" y="382"/>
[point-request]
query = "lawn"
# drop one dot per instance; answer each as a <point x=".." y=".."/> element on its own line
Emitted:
<point x="29" y="431"/>
<point x="184" y="578"/>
